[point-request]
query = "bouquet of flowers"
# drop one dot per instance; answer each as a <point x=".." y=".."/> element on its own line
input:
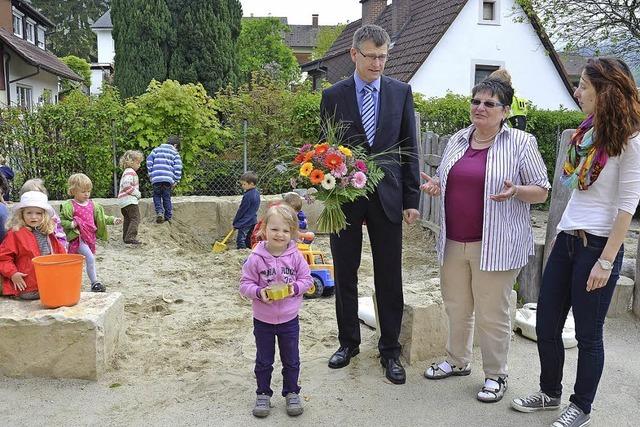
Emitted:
<point x="336" y="174"/>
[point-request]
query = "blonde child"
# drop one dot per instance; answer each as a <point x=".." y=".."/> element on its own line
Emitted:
<point x="30" y="235"/>
<point x="296" y="201"/>
<point x="37" y="184"/>
<point x="84" y="222"/>
<point x="276" y="260"/>
<point x="129" y="195"/>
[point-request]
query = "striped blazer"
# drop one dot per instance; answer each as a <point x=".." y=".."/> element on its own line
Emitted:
<point x="507" y="237"/>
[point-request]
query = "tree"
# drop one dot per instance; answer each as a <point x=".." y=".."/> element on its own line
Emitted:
<point x="326" y="37"/>
<point x="609" y="27"/>
<point x="73" y="19"/>
<point x="81" y="68"/>
<point x="142" y="31"/>
<point x="204" y="47"/>
<point x="261" y="47"/>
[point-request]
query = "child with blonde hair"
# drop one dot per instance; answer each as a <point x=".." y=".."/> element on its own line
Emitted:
<point x="30" y="235"/>
<point x="84" y="222"/>
<point x="129" y="194"/>
<point x="276" y="260"/>
<point x="37" y="184"/>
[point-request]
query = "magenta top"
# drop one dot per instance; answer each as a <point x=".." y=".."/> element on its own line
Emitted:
<point x="464" y="197"/>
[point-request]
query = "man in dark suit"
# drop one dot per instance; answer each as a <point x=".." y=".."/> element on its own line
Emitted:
<point x="379" y="116"/>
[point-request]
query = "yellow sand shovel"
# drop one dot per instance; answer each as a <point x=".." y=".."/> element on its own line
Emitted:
<point x="219" y="247"/>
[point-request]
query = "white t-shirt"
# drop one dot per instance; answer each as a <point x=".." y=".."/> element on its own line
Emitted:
<point x="617" y="188"/>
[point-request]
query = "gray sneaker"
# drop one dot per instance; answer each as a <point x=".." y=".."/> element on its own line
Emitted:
<point x="263" y="406"/>
<point x="535" y="402"/>
<point x="294" y="405"/>
<point x="572" y="416"/>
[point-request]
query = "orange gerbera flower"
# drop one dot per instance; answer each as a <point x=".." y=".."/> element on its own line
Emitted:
<point x="309" y="155"/>
<point x="332" y="161"/>
<point x="321" y="149"/>
<point x="306" y="169"/>
<point x="316" y="176"/>
<point x="299" y="158"/>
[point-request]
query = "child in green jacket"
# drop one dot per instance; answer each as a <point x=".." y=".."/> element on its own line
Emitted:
<point x="84" y="222"/>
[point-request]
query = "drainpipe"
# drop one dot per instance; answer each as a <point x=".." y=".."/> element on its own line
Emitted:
<point x="6" y="78"/>
<point x="27" y="76"/>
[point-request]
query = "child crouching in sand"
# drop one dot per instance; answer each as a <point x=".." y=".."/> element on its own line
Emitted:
<point x="276" y="260"/>
<point x="30" y="235"/>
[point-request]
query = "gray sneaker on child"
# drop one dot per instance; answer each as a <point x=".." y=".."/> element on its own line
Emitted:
<point x="263" y="406"/>
<point x="572" y="416"/>
<point x="294" y="405"/>
<point x="535" y="402"/>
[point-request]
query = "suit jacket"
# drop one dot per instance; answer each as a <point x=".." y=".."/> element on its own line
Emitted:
<point x="395" y="139"/>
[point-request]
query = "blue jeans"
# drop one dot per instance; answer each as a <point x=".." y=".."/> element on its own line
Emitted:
<point x="288" y="334"/>
<point x="162" y="199"/>
<point x="564" y="286"/>
<point x="243" y="241"/>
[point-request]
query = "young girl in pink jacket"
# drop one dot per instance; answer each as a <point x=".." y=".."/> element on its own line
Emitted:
<point x="273" y="261"/>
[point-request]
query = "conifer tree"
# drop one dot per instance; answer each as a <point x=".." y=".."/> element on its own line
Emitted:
<point x="204" y="47"/>
<point x="142" y="30"/>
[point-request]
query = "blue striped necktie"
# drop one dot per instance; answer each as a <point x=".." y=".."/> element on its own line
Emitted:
<point x="368" y="113"/>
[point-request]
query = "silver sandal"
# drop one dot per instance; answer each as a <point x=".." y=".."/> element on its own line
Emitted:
<point x="436" y="371"/>
<point x="489" y="392"/>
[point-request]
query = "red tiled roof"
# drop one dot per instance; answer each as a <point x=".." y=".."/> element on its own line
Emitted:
<point x="37" y="57"/>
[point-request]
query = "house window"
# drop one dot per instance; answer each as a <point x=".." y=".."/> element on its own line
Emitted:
<point x="483" y="71"/>
<point x="41" y="43"/>
<point x="489" y="12"/>
<point x="31" y="31"/>
<point x="17" y="25"/>
<point x="24" y="97"/>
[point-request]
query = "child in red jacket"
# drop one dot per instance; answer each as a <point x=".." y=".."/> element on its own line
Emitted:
<point x="31" y="234"/>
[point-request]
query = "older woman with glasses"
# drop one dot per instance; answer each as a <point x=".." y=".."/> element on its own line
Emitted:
<point x="488" y="177"/>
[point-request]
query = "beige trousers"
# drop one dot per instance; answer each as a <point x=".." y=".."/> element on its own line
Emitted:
<point x="467" y="289"/>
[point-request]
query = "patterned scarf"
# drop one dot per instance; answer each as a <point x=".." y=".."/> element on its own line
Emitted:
<point x="584" y="161"/>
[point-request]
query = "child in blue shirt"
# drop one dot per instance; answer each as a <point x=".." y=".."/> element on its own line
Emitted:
<point x="247" y="215"/>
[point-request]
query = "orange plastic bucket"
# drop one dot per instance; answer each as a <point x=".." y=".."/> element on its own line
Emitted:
<point x="59" y="279"/>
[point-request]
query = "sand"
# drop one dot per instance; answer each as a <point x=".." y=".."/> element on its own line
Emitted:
<point x="187" y="357"/>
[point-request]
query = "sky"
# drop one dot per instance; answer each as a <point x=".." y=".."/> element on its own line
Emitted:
<point x="299" y="11"/>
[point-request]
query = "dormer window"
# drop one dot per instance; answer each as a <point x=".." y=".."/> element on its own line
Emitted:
<point x="41" y="42"/>
<point x="30" y="34"/>
<point x="18" y="23"/>
<point x="489" y="13"/>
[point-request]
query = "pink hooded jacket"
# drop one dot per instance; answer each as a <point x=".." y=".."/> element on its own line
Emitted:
<point x="261" y="269"/>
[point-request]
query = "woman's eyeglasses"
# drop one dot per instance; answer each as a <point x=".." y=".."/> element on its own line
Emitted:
<point x="487" y="104"/>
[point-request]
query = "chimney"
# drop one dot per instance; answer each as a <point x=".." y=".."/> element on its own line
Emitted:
<point x="6" y="15"/>
<point x="314" y="20"/>
<point x="371" y="9"/>
<point x="400" y="14"/>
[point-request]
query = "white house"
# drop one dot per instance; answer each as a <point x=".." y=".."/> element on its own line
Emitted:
<point x="29" y="74"/>
<point x="441" y="46"/>
<point x="103" y="69"/>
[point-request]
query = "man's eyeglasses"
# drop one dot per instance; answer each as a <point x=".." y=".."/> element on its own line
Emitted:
<point x="371" y="57"/>
<point x="487" y="104"/>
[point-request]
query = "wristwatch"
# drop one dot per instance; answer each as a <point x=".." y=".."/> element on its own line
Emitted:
<point x="605" y="265"/>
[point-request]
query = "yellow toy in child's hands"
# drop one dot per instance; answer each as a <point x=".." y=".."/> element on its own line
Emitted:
<point x="278" y="291"/>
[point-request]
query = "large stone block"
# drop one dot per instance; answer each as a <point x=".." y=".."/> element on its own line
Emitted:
<point x="67" y="342"/>
<point x="423" y="335"/>
<point x="622" y="295"/>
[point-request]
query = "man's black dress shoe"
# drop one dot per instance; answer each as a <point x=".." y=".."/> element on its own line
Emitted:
<point x="393" y="370"/>
<point x="342" y="357"/>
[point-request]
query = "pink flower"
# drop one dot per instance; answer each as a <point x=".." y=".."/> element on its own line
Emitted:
<point x="362" y="166"/>
<point x="340" y="170"/>
<point x="359" y="179"/>
<point x="305" y="148"/>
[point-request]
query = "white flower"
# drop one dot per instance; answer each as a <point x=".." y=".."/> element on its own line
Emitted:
<point x="329" y="182"/>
